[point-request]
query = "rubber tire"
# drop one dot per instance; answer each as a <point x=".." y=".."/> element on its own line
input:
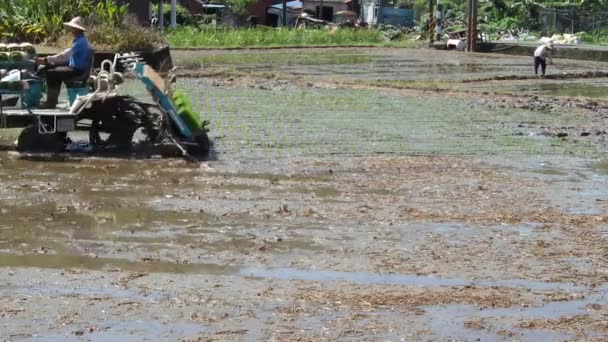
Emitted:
<point x="30" y="140"/>
<point x="113" y="117"/>
<point x="201" y="147"/>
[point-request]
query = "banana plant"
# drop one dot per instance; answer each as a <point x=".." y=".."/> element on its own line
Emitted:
<point x="39" y="19"/>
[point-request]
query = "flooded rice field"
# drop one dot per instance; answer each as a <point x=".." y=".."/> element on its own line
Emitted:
<point x="354" y="194"/>
<point x="371" y="64"/>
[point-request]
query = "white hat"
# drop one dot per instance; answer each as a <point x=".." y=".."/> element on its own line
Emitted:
<point x="76" y="23"/>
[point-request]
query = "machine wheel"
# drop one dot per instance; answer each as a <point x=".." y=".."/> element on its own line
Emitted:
<point x="200" y="145"/>
<point x="151" y="121"/>
<point x="120" y="133"/>
<point x="119" y="117"/>
<point x="30" y="140"/>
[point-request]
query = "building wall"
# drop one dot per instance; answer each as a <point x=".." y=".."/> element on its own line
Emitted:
<point x="258" y="9"/>
<point x="138" y="8"/>
<point x="311" y="5"/>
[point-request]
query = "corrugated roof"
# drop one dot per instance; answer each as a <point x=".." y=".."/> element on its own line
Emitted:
<point x="290" y="4"/>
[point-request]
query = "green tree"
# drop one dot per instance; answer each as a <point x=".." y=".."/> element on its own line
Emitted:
<point x="238" y="7"/>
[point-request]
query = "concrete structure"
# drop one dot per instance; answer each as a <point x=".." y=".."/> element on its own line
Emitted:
<point x="258" y="10"/>
<point x="330" y="8"/>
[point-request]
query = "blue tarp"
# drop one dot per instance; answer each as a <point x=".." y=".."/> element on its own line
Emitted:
<point x="290" y="4"/>
<point x="396" y="16"/>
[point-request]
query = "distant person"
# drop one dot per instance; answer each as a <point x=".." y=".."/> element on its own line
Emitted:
<point x="542" y="54"/>
<point x="67" y="65"/>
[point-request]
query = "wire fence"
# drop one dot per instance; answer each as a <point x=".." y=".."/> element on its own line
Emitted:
<point x="572" y="21"/>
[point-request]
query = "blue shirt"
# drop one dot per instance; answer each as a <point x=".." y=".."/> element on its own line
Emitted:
<point x="81" y="54"/>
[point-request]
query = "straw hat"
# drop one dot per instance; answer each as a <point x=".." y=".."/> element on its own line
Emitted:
<point x="76" y="23"/>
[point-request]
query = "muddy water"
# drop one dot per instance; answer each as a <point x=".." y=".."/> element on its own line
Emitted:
<point x="366" y="64"/>
<point x="284" y="225"/>
<point x="395" y="279"/>
<point x="594" y="88"/>
<point x="325" y="213"/>
<point x="500" y="318"/>
<point x="602" y="167"/>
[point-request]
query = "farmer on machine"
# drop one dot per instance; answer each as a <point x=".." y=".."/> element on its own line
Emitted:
<point x="67" y="65"/>
<point x="542" y="54"/>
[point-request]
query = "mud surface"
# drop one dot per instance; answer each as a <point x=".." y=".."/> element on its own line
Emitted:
<point x="333" y="207"/>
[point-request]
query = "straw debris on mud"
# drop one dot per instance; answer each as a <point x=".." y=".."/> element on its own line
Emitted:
<point x="339" y="203"/>
<point x="579" y="325"/>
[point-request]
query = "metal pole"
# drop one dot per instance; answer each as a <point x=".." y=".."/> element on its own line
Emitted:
<point x="173" y="14"/>
<point x="431" y="22"/>
<point x="321" y="10"/>
<point x="438" y="16"/>
<point x="554" y="20"/>
<point x="472" y="26"/>
<point x="150" y="11"/>
<point x="374" y="19"/>
<point x="469" y="7"/>
<point x="474" y="30"/>
<point x="284" y="14"/>
<point x="161" y="15"/>
<point x="572" y="27"/>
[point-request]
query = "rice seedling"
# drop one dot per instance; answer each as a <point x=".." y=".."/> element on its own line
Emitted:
<point x="189" y="36"/>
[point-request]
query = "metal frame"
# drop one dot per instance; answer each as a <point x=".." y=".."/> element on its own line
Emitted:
<point x="157" y="87"/>
<point x="162" y="100"/>
<point x="3" y="121"/>
<point x="2" y="117"/>
<point x="41" y="126"/>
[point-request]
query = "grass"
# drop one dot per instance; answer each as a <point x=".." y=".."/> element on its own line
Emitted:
<point x="240" y="38"/>
<point x="193" y="71"/>
<point x="190" y="59"/>
<point x="412" y="84"/>
<point x="598" y="37"/>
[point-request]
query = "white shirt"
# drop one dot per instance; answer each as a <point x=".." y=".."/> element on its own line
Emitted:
<point x="543" y="51"/>
<point x="60" y="58"/>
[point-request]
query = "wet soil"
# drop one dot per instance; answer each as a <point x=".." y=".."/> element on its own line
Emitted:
<point x="330" y="209"/>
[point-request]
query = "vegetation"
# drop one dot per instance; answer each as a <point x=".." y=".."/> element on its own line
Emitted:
<point x="192" y="119"/>
<point x="109" y="27"/>
<point x="127" y="35"/>
<point x="499" y="16"/>
<point x="209" y="37"/>
<point x="237" y="7"/>
<point x="598" y="37"/>
<point x="35" y="20"/>
<point x="182" y="14"/>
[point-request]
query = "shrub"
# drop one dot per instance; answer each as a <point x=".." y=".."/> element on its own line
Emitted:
<point x="126" y="36"/>
<point x="209" y="37"/>
<point x="37" y="20"/>
<point x="183" y="15"/>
